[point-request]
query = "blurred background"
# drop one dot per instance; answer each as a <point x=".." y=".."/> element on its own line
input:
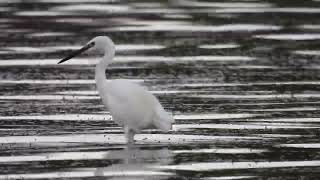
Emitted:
<point x="241" y="78"/>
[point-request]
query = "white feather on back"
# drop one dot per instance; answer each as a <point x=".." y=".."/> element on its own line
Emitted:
<point x="134" y="106"/>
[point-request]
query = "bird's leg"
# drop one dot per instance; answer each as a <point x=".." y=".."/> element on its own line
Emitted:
<point x="129" y="135"/>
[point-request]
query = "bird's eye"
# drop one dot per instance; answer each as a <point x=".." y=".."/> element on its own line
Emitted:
<point x="92" y="43"/>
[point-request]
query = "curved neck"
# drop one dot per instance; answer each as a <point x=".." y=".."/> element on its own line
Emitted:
<point x="101" y="67"/>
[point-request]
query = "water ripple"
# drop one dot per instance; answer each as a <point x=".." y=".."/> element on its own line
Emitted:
<point x="197" y="28"/>
<point x="120" y="139"/>
<point x="239" y="165"/>
<point x="292" y="37"/>
<point x="124" y="59"/>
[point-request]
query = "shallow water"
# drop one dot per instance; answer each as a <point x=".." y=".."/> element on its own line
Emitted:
<point x="240" y="78"/>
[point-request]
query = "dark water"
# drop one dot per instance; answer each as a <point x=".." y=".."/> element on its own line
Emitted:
<point x="241" y="78"/>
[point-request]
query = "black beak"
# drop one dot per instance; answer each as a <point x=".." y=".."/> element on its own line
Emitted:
<point x="77" y="52"/>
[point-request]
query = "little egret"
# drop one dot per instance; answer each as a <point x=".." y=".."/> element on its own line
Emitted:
<point x="130" y="105"/>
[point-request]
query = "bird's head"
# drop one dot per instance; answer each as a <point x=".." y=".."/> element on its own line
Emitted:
<point x="100" y="44"/>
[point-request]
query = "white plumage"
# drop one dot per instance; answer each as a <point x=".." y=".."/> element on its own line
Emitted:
<point x="131" y="106"/>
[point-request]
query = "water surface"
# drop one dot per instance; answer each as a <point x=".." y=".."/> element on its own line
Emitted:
<point x="240" y="78"/>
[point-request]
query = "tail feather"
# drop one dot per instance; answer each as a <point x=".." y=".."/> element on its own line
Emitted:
<point x="163" y="120"/>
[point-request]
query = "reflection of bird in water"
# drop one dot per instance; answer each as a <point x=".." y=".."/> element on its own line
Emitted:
<point x="136" y="164"/>
<point x="130" y="105"/>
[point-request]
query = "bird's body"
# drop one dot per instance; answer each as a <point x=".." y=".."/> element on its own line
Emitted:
<point x="131" y="106"/>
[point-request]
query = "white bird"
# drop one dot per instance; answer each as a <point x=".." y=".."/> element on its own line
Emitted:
<point x="130" y="105"/>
